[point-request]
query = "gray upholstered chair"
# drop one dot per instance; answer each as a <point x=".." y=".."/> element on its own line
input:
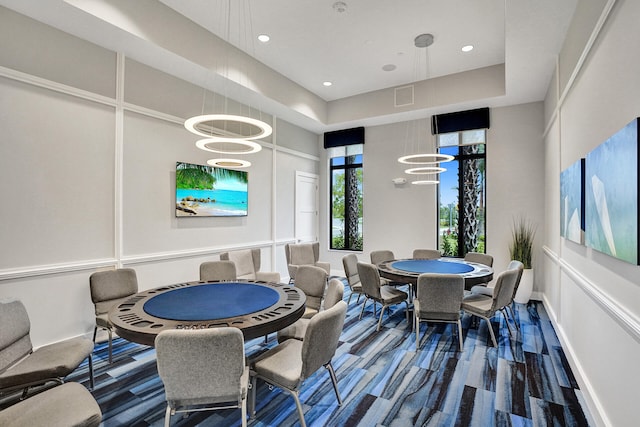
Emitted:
<point x="438" y="299"/>
<point x="69" y="404"/>
<point x="21" y="367"/>
<point x="312" y="280"/>
<point x="290" y="363"/>
<point x="202" y="369"/>
<point x="426" y="254"/>
<point x="486" y="290"/>
<point x="381" y="256"/>
<point x="303" y="254"/>
<point x="109" y="288"/>
<point x="211" y="271"/>
<point x="479" y="258"/>
<point x="247" y="263"/>
<point x="386" y="295"/>
<point x="350" y="264"/>
<point x="485" y="306"/>
<point x="335" y="293"/>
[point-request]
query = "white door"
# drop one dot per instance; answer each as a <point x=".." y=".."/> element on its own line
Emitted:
<point x="306" y="225"/>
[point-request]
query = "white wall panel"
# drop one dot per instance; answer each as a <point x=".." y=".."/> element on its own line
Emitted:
<point x="56" y="177"/>
<point x="151" y="149"/>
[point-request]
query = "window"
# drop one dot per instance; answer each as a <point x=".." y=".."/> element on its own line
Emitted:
<point x="462" y="220"/>
<point x="346" y="197"/>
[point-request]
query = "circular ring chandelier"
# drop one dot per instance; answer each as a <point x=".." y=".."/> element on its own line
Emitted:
<point x="229" y="163"/>
<point x="197" y="126"/>
<point x="222" y="146"/>
<point x="425" y="159"/>
<point x="428" y="170"/>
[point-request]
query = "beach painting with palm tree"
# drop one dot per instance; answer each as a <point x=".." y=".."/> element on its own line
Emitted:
<point x="210" y="191"/>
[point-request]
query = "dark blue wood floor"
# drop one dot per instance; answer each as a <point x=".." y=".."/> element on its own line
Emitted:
<point x="383" y="380"/>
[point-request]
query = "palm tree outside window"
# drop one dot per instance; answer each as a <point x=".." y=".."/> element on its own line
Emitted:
<point x="462" y="191"/>
<point x="346" y="197"/>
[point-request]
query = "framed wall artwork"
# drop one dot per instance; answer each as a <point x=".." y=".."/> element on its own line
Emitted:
<point x="611" y="195"/>
<point x="572" y="209"/>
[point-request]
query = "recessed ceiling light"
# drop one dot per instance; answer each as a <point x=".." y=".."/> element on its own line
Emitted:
<point x="467" y="48"/>
<point x="389" y="67"/>
<point x="264" y="38"/>
<point x="327" y="83"/>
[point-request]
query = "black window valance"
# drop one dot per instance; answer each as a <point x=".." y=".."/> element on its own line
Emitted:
<point x="340" y="138"/>
<point x="460" y="121"/>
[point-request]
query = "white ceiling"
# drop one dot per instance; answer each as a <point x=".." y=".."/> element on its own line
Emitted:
<point x="311" y="42"/>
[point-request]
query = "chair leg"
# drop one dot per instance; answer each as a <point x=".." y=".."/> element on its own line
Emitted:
<point x="110" y="345"/>
<point x="358" y="300"/>
<point x="334" y="380"/>
<point x="363" y="305"/>
<point x="167" y="416"/>
<point x="513" y="316"/>
<point x="381" y="314"/>
<point x="493" y="337"/>
<point x="91" y="379"/>
<point x="416" y="325"/>
<point x="349" y="300"/>
<point x="252" y="400"/>
<point x="460" y="334"/>
<point x="95" y="332"/>
<point x="243" y="412"/>
<point x="506" y="319"/>
<point x="296" y="397"/>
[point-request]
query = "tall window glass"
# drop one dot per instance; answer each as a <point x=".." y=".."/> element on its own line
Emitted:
<point x="462" y="195"/>
<point x="346" y="198"/>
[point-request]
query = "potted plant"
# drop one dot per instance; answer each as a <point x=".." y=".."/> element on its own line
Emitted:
<point x="521" y="249"/>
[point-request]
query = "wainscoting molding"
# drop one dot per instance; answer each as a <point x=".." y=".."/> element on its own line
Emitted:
<point x="617" y="312"/>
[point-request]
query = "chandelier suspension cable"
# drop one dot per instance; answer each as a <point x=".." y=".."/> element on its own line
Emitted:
<point x="228" y="133"/>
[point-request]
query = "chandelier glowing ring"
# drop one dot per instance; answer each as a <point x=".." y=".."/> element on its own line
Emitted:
<point x="229" y="163"/>
<point x="425" y="182"/>
<point x="244" y="146"/>
<point x="194" y="125"/>
<point x="428" y="170"/>
<point x="425" y="159"/>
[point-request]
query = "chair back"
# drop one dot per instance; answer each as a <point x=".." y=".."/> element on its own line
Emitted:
<point x="15" y="341"/>
<point x="350" y="263"/>
<point x="312" y="280"/>
<point x="440" y="296"/>
<point x="516" y="265"/>
<point x="302" y="253"/>
<point x="321" y="338"/>
<point x="335" y="293"/>
<point x="247" y="262"/>
<point x="381" y="256"/>
<point x="112" y="286"/>
<point x="504" y="289"/>
<point x="217" y="270"/>
<point x="479" y="258"/>
<point x="201" y="366"/>
<point x="426" y="254"/>
<point x="370" y="279"/>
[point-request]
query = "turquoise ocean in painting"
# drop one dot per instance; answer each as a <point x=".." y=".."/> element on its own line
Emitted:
<point x="220" y="202"/>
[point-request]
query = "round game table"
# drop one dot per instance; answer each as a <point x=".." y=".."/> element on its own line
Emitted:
<point x="408" y="270"/>
<point x="256" y="308"/>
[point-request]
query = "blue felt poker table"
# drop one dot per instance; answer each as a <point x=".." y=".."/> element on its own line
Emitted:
<point x="256" y="308"/>
<point x="408" y="270"/>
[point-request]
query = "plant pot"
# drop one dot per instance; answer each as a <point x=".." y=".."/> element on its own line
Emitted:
<point x="525" y="288"/>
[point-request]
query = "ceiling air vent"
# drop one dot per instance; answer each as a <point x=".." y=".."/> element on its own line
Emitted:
<point x="404" y="96"/>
